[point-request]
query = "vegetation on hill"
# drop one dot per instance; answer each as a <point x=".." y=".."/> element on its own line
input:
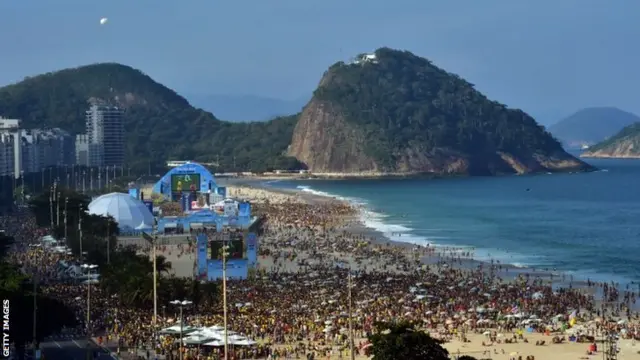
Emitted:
<point x="402" y="100"/>
<point x="625" y="143"/>
<point x="160" y="125"/>
<point x="591" y="125"/>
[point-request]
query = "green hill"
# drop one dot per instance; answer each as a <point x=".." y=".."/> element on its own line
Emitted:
<point x="624" y="144"/>
<point x="399" y="113"/>
<point x="592" y="125"/>
<point x="159" y="124"/>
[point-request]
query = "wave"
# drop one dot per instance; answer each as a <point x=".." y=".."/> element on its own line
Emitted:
<point x="375" y="220"/>
<point x="401" y="230"/>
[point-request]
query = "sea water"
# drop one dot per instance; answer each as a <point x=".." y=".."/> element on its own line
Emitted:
<point x="585" y="224"/>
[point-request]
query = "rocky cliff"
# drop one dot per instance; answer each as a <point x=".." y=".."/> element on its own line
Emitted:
<point x="392" y="112"/>
<point x="625" y="144"/>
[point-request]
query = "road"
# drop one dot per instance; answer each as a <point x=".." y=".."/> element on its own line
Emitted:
<point x="70" y="349"/>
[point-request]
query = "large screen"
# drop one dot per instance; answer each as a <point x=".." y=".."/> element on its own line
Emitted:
<point x="185" y="182"/>
<point x="236" y="249"/>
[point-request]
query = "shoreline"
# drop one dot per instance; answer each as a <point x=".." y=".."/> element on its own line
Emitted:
<point x="381" y="176"/>
<point x="443" y="254"/>
<point x="594" y="156"/>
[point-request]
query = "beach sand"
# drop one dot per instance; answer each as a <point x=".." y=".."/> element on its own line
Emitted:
<point x="278" y="260"/>
<point x="475" y="347"/>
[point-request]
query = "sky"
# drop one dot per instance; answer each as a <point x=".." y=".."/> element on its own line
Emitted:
<point x="548" y="57"/>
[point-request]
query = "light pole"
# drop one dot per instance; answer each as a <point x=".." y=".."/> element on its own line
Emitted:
<point x="22" y="186"/>
<point x="35" y="304"/>
<point x="224" y="250"/>
<point x="80" y="228"/>
<point x="181" y="304"/>
<point x="88" y="268"/>
<point x="51" y="191"/>
<point x="58" y="208"/>
<point x="66" y="202"/>
<point x="351" y="343"/>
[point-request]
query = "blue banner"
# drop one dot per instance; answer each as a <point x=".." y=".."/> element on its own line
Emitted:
<point x="186" y="204"/>
<point x="244" y="209"/>
<point x="236" y="269"/>
<point x="133" y="192"/>
<point x="222" y="191"/>
<point x="252" y="249"/>
<point x="202" y="243"/>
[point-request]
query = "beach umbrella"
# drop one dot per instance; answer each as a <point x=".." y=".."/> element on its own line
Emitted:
<point x="537" y="296"/>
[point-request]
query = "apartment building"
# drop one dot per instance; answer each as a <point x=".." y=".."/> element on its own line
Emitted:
<point x="26" y="151"/>
<point x="104" y="137"/>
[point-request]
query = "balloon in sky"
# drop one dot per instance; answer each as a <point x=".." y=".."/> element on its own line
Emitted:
<point x="103" y="21"/>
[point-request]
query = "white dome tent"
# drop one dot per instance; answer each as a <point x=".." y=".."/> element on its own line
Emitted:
<point x="131" y="214"/>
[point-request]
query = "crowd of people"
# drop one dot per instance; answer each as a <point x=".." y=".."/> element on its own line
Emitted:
<point x="323" y="280"/>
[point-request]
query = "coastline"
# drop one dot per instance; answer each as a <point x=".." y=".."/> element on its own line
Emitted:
<point x="254" y="178"/>
<point x="605" y="156"/>
<point x="442" y="255"/>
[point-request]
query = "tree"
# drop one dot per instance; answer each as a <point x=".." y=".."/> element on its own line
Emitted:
<point x="52" y="314"/>
<point x="163" y="126"/>
<point x="404" y="341"/>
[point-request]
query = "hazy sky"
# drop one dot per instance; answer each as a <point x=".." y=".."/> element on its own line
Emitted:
<point x="549" y="57"/>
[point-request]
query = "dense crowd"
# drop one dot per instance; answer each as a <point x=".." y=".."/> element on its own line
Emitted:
<point x="321" y="274"/>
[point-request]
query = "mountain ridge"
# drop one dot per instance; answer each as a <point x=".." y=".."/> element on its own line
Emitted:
<point x="591" y="125"/>
<point x="247" y="108"/>
<point x="160" y="124"/>
<point x="368" y="117"/>
<point x="394" y="112"/>
<point x="623" y="145"/>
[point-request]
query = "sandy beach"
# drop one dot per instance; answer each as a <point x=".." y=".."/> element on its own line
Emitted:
<point x="331" y="242"/>
<point x="296" y="300"/>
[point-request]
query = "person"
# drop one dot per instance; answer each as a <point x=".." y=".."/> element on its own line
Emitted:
<point x="179" y="186"/>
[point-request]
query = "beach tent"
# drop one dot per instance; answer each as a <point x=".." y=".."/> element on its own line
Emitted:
<point x="175" y="330"/>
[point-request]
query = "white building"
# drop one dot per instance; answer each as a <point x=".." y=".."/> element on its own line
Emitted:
<point x="365" y="58"/>
<point x="10" y="129"/>
<point x="26" y="151"/>
<point x="7" y="160"/>
<point x="105" y="136"/>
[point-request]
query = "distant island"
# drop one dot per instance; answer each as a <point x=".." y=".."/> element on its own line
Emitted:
<point x="387" y="113"/>
<point x="591" y="125"/>
<point x="392" y="112"/>
<point x="624" y="144"/>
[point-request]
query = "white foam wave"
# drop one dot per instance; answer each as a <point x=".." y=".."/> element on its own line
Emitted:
<point x="401" y="231"/>
<point x="375" y="219"/>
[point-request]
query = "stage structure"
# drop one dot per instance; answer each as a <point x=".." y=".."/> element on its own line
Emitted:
<point x="188" y="182"/>
<point x="242" y="253"/>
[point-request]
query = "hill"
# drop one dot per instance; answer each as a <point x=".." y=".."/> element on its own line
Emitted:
<point x="159" y="123"/>
<point x="244" y="108"/>
<point x="624" y="144"/>
<point x="592" y="125"/>
<point x="394" y="112"/>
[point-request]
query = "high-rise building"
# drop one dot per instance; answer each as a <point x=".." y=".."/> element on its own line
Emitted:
<point x="105" y="136"/>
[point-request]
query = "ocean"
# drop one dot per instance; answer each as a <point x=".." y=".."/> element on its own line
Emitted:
<point x="583" y="224"/>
